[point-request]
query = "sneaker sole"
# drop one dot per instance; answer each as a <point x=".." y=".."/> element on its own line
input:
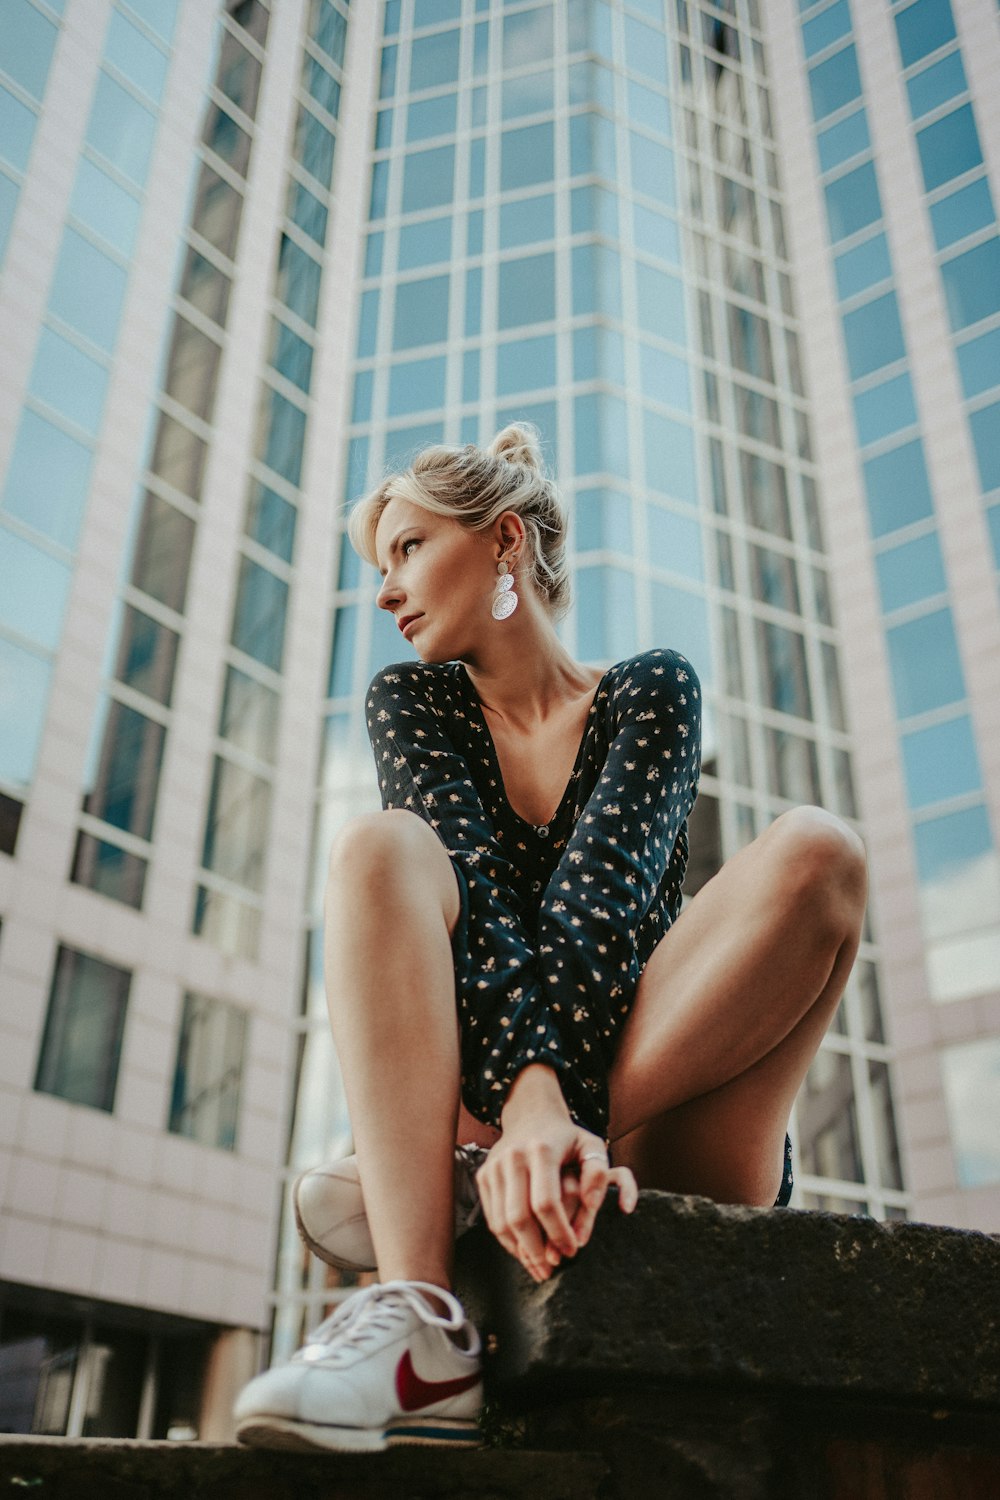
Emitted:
<point x="310" y="1437"/>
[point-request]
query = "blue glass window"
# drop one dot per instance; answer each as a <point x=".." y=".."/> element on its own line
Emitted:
<point x="656" y="234"/>
<point x="387" y="72"/>
<point x="897" y="488"/>
<point x="945" y="845"/>
<point x="839" y="142"/>
<point x="33" y="597"/>
<point x="133" y="55"/>
<point x="368" y="323"/>
<point x="670" y="460"/>
<point x="282" y="436"/>
<point x="159" y="15"/>
<point x="652" y="169"/>
<point x="940" y="762"/>
<point x="8" y="203"/>
<point x="913" y="570"/>
<point x="271" y="520"/>
<point x="852" y="201"/>
<point x="121" y="129"/>
<point x="834" y="83"/>
<point x="979" y="363"/>
<point x="660" y="303"/>
<point x="342" y="657"/>
<point x="949" y="147"/>
<point x="647" y="107"/>
<point x="28" y="42"/>
<point x="69" y="381"/>
<point x="601" y="434"/>
<point x="602" y="520"/>
<point x="527" y="220"/>
<point x="589" y="27"/>
<point x="985" y="425"/>
<point x="826" y="28"/>
<point x="527" y="290"/>
<point x="17" y="127"/>
<point x="88" y="290"/>
<point x="236" y="825"/>
<point x="664" y="377"/>
<point x="592" y="145"/>
<point x="923" y="28"/>
<point x="680" y="621"/>
<point x="972" y="284"/>
<point x="962" y="213"/>
<point x="596" y="280"/>
<point x="474" y="232"/>
<point x="646" y="50"/>
<point x="873" y="335"/>
<point x="124" y="780"/>
<point x="298" y="280"/>
<point x="864" y="266"/>
<point x="941" y="81"/>
<point x="380" y="190"/>
<point x="674" y="542"/>
<point x="605" y="613"/>
<point x="24" y="687"/>
<point x="971" y="1075"/>
<point x="470" y="377"/>
<point x="433" y="12"/>
<point x="421" y="312"/>
<point x="416" y="385"/>
<point x="884" y="409"/>
<point x="424" y="243"/>
<point x="428" y="178"/>
<point x="473" y="301"/>
<point x="313" y="146"/>
<point x="526" y="156"/>
<point x="433" y="60"/>
<point x="291" y="355"/>
<point x="528" y="94"/>
<point x="926" y="669"/>
<point x="81" y="1045"/>
<point x="527" y="37"/>
<point x="427" y="117"/>
<point x="47" y="480"/>
<point x="526" y="364"/>
<point x="259" y="614"/>
<point x="598" y="354"/>
<point x="105" y="207"/>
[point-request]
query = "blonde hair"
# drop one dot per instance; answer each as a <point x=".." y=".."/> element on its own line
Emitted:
<point x="474" y="486"/>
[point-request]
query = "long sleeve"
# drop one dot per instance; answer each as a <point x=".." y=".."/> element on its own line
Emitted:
<point x="628" y="848"/>
<point x="504" y="1021"/>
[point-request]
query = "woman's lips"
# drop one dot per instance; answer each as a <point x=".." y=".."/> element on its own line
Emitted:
<point x="410" y="624"/>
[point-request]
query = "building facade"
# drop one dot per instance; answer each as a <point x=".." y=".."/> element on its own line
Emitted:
<point x="254" y="257"/>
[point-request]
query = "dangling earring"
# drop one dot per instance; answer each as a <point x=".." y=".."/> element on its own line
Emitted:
<point x="504" y="600"/>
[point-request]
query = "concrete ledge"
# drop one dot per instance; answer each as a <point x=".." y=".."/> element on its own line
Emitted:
<point x="686" y="1290"/>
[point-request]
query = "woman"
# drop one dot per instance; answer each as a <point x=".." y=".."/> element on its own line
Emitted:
<point x="526" y="872"/>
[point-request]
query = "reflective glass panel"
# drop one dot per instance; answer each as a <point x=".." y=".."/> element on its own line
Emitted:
<point x="884" y="409"/>
<point x="33" y="592"/>
<point x="24" y="692"/>
<point x="236" y="826"/>
<point x="826" y="28"/>
<point x="834" y="83"/>
<point x="126" y="49"/>
<point x="828" y="1140"/>
<point x="674" y="542"/>
<point x="313" y="146"/>
<point x="249" y="716"/>
<point x="601" y="441"/>
<point x="680" y="620"/>
<point x="527" y="291"/>
<point x="922" y="28"/>
<point x="433" y="60"/>
<point x="852" y="201"/>
<point x="527" y="220"/>
<point x="121" y="129"/>
<point x="238" y="73"/>
<point x="784" y="677"/>
<point x="793" y="766"/>
<point x="646" y="50"/>
<point x="774" y="580"/>
<point x="424" y="243"/>
<point x="985" y="427"/>
<point x="228" y="139"/>
<point x="527" y="37"/>
<point x="598" y="354"/>
<point x="912" y="571"/>
<point x="602" y="519"/>
<point x="416" y="385"/>
<point x="217" y="211"/>
<point x="328" y="28"/>
<point x="864" y="266"/>
<point x="528" y="94"/>
<point x="971" y="1074"/>
<point x="605" y="613"/>
<point x="880" y="1092"/>
<point x="596" y="280"/>
<point x="655" y="233"/>
<point x="271" y="520"/>
<point x="229" y="924"/>
<point x="765" y="494"/>
<point x="653" y="171"/>
<point x="925" y="664"/>
<point x="670" y="460"/>
<point x="124" y="781"/>
<point x="949" y="147"/>
<point x="298" y="280"/>
<point x="342" y="657"/>
<point x="28" y="43"/>
<point x="898" y="489"/>
<point x="665" y="377"/>
<point x="962" y="213"/>
<point x="526" y="156"/>
<point x="592" y="145"/>
<point x="179" y="455"/>
<point x="433" y="12"/>
<point x="48" y="478"/>
<point x="421" y="314"/>
<point x="105" y="207"/>
<point x="281" y="435"/>
<point x="972" y="284"/>
<point x="322" y="85"/>
<point x="291" y="355"/>
<point x="82" y="1040"/>
<point x="941" y="81"/>
<point x="17" y="129"/>
<point x="147" y="655"/>
<point x="208" y="1073"/>
<point x="192" y="368"/>
<point x="940" y="762"/>
<point x="660" y="303"/>
<point x="525" y="364"/>
<point x="87" y="290"/>
<point x="161" y="16"/>
<point x="873" y="335"/>
<point x="259" y="615"/>
<point x="109" y="870"/>
<point x="163" y="552"/>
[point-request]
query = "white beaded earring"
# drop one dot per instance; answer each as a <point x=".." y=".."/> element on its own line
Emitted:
<point x="504" y="599"/>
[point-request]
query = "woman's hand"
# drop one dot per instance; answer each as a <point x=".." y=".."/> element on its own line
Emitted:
<point x="545" y="1179"/>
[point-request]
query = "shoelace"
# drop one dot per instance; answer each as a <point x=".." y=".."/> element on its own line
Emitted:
<point x="373" y="1310"/>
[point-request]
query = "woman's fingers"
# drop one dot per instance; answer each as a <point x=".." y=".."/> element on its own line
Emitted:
<point x="546" y="1202"/>
<point x="628" y="1188"/>
<point x="520" y="1220"/>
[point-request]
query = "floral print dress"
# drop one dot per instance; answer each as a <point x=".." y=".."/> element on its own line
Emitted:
<point x="558" y="919"/>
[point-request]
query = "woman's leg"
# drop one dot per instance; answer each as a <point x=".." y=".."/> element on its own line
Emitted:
<point x="731" y="1008"/>
<point x="392" y="902"/>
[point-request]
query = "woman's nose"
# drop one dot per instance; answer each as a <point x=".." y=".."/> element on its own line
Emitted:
<point x="387" y="595"/>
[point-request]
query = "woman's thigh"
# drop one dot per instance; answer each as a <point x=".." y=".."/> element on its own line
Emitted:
<point x="732" y="1007"/>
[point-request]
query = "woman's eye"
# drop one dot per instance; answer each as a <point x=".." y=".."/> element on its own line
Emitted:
<point x="410" y="542"/>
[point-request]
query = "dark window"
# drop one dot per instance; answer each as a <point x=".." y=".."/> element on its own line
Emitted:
<point x="82" y="1040"/>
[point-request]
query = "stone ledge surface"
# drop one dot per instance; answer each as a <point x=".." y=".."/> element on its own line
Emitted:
<point x="686" y="1290"/>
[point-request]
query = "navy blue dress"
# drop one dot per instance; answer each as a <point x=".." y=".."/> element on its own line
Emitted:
<point x="558" y="919"/>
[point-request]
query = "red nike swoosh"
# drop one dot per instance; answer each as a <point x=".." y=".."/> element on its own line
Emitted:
<point x="413" y="1392"/>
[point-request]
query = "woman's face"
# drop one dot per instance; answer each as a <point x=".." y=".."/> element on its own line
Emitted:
<point x="438" y="574"/>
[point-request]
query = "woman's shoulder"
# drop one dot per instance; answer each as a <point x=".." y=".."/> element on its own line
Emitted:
<point x="654" y="669"/>
<point x="412" y="682"/>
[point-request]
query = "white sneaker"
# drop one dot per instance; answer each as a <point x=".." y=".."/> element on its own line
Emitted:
<point x="330" y="1208"/>
<point x="380" y="1370"/>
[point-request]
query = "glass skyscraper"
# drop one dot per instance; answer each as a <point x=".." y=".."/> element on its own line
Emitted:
<point x="739" y="266"/>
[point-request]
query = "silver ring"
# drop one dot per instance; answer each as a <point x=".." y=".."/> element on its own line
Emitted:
<point x="595" y="1156"/>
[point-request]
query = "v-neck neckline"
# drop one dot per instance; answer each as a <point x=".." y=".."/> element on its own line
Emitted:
<point x="478" y="708"/>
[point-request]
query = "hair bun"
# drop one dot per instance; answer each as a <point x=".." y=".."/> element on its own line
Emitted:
<point x="519" y="443"/>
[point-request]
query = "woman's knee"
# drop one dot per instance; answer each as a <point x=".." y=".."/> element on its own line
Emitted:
<point x="390" y="847"/>
<point x="821" y="859"/>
